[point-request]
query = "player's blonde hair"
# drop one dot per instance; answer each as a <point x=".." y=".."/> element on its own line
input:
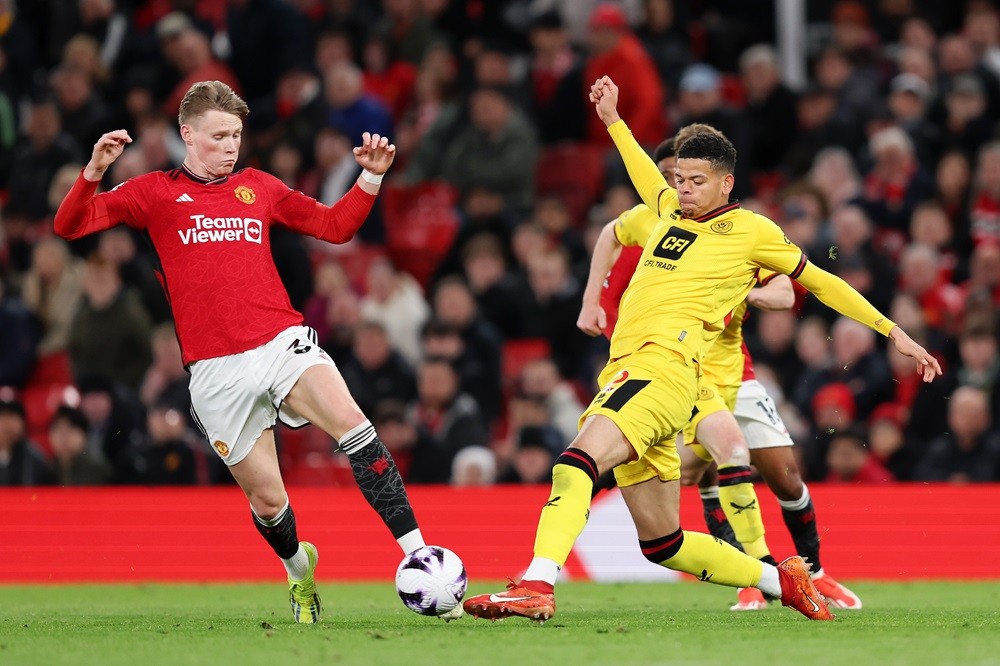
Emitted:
<point x="205" y="96"/>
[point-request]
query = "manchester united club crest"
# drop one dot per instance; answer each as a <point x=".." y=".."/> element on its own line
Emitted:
<point x="245" y="194"/>
<point x="722" y="226"/>
<point x="219" y="445"/>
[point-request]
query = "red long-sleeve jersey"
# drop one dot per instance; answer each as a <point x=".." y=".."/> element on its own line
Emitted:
<point x="212" y="242"/>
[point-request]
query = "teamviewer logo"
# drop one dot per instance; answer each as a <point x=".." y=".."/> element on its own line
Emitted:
<point x="205" y="229"/>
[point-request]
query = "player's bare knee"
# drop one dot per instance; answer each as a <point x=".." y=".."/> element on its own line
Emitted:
<point x="788" y="487"/>
<point x="690" y="477"/>
<point x="266" y="505"/>
<point x="739" y="455"/>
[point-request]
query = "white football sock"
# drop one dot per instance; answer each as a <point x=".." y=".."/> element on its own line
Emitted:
<point x="410" y="541"/>
<point x="543" y="569"/>
<point x="769" y="581"/>
<point x="297" y="565"/>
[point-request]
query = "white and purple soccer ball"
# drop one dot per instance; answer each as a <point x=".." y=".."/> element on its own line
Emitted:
<point x="431" y="581"/>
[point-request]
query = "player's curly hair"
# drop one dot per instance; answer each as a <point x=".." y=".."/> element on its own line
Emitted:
<point x="205" y="96"/>
<point x="704" y="142"/>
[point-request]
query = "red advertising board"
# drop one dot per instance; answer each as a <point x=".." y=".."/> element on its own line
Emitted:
<point x="205" y="534"/>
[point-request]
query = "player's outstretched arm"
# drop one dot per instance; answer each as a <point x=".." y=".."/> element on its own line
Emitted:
<point x="774" y="295"/>
<point x="374" y="155"/>
<point x="648" y="180"/>
<point x="78" y="214"/>
<point x="593" y="320"/>
<point x="840" y="296"/>
<point x="107" y="149"/>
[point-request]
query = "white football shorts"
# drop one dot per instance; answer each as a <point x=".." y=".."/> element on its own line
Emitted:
<point x="235" y="398"/>
<point x="758" y="417"/>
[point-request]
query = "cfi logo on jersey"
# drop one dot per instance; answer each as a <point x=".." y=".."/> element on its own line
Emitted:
<point x="245" y="194"/>
<point x="722" y="226"/>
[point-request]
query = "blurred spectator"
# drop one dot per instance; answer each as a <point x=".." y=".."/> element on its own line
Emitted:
<point x="616" y="52"/>
<point x="909" y="96"/>
<point x="953" y="180"/>
<point x="188" y="51"/>
<point x="21" y="462"/>
<point x="52" y="290"/>
<point x="770" y="111"/>
<point x="818" y="128"/>
<point x="888" y="442"/>
<point x="956" y="59"/>
<point x="850" y="461"/>
<point x="335" y="170"/>
<point x="855" y="88"/>
<point x="920" y="276"/>
<point x="375" y="372"/>
<point x="291" y="258"/>
<point x="966" y="124"/>
<point x="773" y="345"/>
<point x="970" y="451"/>
<point x="497" y="151"/>
<point x="666" y="40"/>
<point x="394" y="300"/>
<point x="392" y="81"/>
<point x="330" y="280"/>
<point x="984" y="272"/>
<point x="853" y="238"/>
<point x="552" y="308"/>
<point x="82" y="111"/>
<point x="343" y="316"/>
<point x="833" y="410"/>
<point x="165" y="457"/>
<point x="412" y="448"/>
<point x="982" y="27"/>
<point x="896" y="183"/>
<point x="985" y="209"/>
<point x="253" y="23"/>
<point x="498" y="293"/>
<point x="803" y="216"/>
<point x="408" y="27"/>
<point x="930" y="226"/>
<point x="138" y="273"/>
<point x="541" y="378"/>
<point x="350" y="110"/>
<point x="537" y="448"/>
<point x="166" y="380"/>
<point x="455" y="306"/>
<point x="558" y="108"/>
<point x="701" y="102"/>
<point x="44" y="148"/>
<point x="109" y="334"/>
<point x="114" y="422"/>
<point x="19" y="334"/>
<point x="552" y="215"/>
<point x="449" y="417"/>
<point x="474" y="466"/>
<point x="72" y="464"/>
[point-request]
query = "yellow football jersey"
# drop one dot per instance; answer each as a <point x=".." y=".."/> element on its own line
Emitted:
<point x="694" y="272"/>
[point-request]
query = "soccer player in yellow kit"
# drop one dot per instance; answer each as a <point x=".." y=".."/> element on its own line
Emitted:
<point x="699" y="262"/>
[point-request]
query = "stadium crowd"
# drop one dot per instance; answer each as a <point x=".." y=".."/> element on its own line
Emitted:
<point x="452" y="314"/>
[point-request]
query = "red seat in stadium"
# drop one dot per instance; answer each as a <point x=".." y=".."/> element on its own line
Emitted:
<point x="573" y="172"/>
<point x="421" y="223"/>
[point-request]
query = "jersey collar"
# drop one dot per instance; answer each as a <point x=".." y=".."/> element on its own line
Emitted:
<point x="198" y="179"/>
<point x="721" y="210"/>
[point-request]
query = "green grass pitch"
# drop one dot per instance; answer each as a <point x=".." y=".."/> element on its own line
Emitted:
<point x="687" y="623"/>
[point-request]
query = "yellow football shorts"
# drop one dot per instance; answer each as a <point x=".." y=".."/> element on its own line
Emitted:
<point x="649" y="394"/>
<point x="710" y="400"/>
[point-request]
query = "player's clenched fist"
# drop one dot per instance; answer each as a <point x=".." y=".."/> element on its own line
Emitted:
<point x="106" y="151"/>
<point x="592" y="319"/>
<point x="604" y="96"/>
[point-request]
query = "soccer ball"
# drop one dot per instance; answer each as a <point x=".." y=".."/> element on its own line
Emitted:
<point x="431" y="581"/>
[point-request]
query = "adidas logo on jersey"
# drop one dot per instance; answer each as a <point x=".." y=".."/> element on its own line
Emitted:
<point x="221" y="229"/>
<point x="184" y="197"/>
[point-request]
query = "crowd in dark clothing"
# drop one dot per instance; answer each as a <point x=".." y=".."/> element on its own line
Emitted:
<point x="452" y="314"/>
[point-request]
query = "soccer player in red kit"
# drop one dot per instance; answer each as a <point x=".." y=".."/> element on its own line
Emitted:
<point x="250" y="358"/>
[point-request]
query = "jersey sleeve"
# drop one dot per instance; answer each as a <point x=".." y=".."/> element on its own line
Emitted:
<point x="635" y="226"/>
<point x="647" y="179"/>
<point x="837" y="294"/>
<point x="335" y="224"/>
<point x="772" y="251"/>
<point x="765" y="275"/>
<point x="83" y="211"/>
